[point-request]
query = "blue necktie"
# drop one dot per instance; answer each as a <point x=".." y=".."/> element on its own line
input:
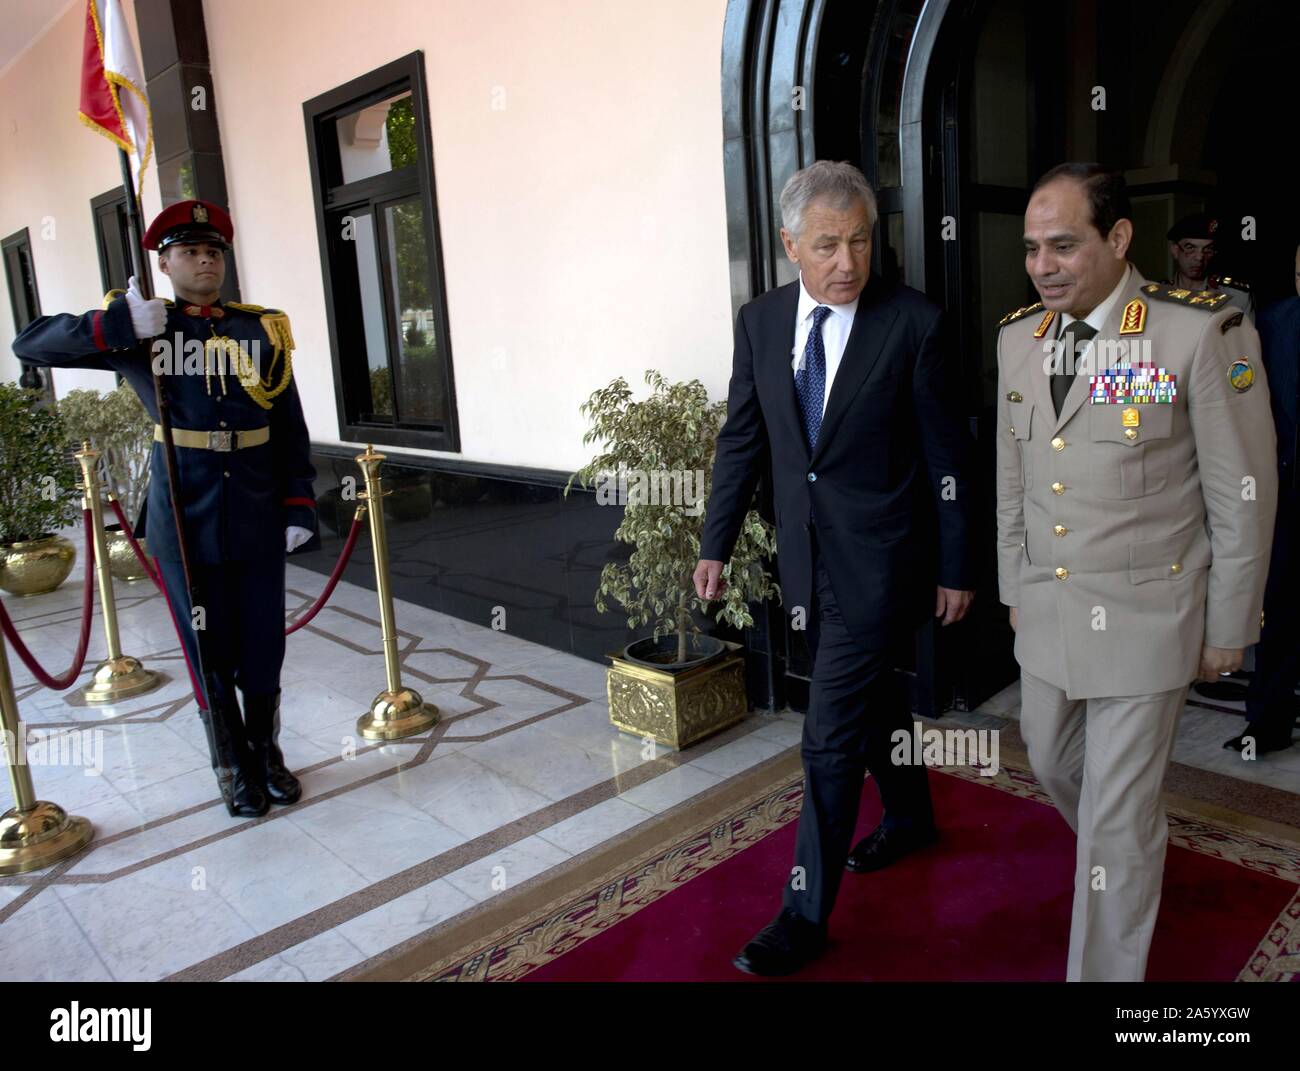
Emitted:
<point x="810" y="380"/>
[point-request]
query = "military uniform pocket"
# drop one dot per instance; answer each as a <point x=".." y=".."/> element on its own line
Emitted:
<point x="1170" y="558"/>
<point x="1140" y="468"/>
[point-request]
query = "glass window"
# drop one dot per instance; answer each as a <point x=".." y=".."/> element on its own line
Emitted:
<point x="387" y="313"/>
<point x="376" y="139"/>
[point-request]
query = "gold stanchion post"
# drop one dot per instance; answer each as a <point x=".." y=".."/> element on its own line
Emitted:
<point x="397" y="712"/>
<point x="119" y="676"/>
<point x="33" y="833"/>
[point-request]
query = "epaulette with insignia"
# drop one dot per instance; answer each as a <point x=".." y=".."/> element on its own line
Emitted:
<point x="256" y="310"/>
<point x="1019" y="313"/>
<point x="1198" y="299"/>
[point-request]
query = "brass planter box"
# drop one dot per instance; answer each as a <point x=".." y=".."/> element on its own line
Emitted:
<point x="677" y="709"/>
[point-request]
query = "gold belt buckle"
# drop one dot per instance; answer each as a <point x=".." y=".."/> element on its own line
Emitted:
<point x="220" y="441"/>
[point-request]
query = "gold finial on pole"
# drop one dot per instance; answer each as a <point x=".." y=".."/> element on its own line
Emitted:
<point x="33" y="833"/>
<point x="396" y="712"/>
<point x="119" y="676"/>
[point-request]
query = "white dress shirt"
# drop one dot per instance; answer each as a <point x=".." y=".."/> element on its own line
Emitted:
<point x="1097" y="317"/>
<point x="835" y="334"/>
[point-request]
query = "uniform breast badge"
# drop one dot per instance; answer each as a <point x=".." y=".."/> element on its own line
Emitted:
<point x="1241" y="375"/>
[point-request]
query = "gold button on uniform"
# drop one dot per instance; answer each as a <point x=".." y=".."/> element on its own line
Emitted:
<point x="1059" y="529"/>
<point x="1062" y="572"/>
<point x="1177" y="567"/>
<point x="1130" y="433"/>
<point x="1013" y="431"/>
<point x="1058" y="488"/>
<point x="1014" y="396"/>
<point x="1058" y="443"/>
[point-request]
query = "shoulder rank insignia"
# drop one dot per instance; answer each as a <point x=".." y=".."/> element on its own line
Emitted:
<point x="1019" y="313"/>
<point x="1241" y="375"/>
<point x="257" y="310"/>
<point x="1231" y="322"/>
<point x="1134" y="319"/>
<point x="1201" y="299"/>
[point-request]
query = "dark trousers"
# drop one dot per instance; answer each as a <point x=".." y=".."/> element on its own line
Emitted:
<point x="1271" y="700"/>
<point x="856" y="704"/>
<point x="243" y="603"/>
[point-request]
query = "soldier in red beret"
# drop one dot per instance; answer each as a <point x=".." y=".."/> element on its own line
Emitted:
<point x="244" y="469"/>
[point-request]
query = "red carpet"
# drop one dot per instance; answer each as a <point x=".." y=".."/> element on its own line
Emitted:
<point x="991" y="902"/>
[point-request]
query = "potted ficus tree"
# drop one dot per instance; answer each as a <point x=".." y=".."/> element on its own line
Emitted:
<point x="676" y="685"/>
<point x="38" y="489"/>
<point x="121" y="430"/>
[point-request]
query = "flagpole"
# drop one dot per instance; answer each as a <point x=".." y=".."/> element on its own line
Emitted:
<point x="144" y="280"/>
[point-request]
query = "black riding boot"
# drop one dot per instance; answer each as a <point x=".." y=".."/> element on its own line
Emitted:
<point x="230" y="760"/>
<point x="262" y="717"/>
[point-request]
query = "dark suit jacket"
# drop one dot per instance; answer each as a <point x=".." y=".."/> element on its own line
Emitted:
<point x="890" y="437"/>
<point x="1279" y="339"/>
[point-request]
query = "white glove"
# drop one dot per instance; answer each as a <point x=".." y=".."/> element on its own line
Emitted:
<point x="295" y="537"/>
<point x="147" y="317"/>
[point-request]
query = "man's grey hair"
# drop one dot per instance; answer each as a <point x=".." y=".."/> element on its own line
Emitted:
<point x="837" y="184"/>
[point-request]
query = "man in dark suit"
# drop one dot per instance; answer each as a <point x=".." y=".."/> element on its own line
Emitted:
<point x="840" y="384"/>
<point x="1271" y="701"/>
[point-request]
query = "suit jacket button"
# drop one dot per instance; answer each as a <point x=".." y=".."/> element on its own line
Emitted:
<point x="1058" y="488"/>
<point x="1058" y="443"/>
<point x="1059" y="529"/>
<point x="812" y="477"/>
<point x="1177" y="567"/>
<point x="1062" y="572"/>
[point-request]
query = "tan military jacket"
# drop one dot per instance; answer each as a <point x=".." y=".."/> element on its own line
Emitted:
<point x="1133" y="532"/>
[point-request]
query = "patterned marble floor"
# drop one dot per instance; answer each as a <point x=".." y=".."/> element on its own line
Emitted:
<point x="523" y="773"/>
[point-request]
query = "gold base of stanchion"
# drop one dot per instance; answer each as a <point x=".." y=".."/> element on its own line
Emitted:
<point x="394" y="715"/>
<point x="40" y="837"/>
<point x="119" y="678"/>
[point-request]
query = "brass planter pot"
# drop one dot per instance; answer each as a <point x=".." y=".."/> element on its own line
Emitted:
<point x="122" y="562"/>
<point x="36" y="566"/>
<point x="678" y="708"/>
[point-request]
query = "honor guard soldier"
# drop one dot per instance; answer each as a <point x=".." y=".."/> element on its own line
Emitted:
<point x="244" y="468"/>
<point x="1136" y="493"/>
<point x="1191" y="245"/>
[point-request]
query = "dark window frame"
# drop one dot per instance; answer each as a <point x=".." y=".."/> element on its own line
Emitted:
<point x="331" y="197"/>
<point x="22" y="242"/>
<point x="108" y="199"/>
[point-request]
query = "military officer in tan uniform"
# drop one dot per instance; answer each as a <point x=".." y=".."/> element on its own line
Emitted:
<point x="1135" y="511"/>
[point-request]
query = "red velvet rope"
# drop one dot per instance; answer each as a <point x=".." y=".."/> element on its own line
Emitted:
<point x="67" y="679"/>
<point x="335" y="576"/>
<point x="135" y="547"/>
<point x="312" y="610"/>
<point x="87" y="602"/>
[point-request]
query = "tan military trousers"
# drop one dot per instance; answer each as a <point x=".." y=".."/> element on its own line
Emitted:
<point x="1103" y="762"/>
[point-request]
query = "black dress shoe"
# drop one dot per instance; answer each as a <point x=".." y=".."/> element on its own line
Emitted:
<point x="1262" y="743"/>
<point x="881" y="847"/>
<point x="785" y="944"/>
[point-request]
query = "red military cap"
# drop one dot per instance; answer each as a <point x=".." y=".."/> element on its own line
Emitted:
<point x="190" y="221"/>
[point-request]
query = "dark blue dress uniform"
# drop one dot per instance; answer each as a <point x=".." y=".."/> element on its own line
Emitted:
<point x="238" y="499"/>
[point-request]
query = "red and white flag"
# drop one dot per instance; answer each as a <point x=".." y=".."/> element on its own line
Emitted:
<point x="113" y="100"/>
